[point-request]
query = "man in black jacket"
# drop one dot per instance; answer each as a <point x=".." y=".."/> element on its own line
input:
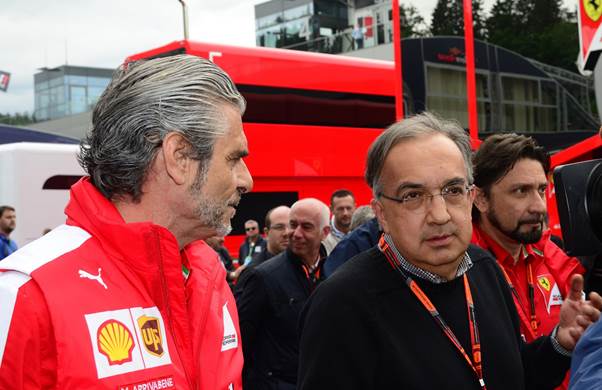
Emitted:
<point x="422" y="309"/>
<point x="270" y="297"/>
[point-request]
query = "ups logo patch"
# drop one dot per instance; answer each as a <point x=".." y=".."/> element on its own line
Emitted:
<point x="150" y="329"/>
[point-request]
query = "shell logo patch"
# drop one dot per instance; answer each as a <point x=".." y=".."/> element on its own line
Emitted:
<point x="593" y="9"/>
<point x="115" y="342"/>
<point x="150" y="327"/>
<point x="117" y="337"/>
<point x="544" y="282"/>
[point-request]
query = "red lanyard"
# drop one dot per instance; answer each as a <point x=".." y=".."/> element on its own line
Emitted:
<point x="531" y="296"/>
<point x="531" y="292"/>
<point x="475" y="363"/>
<point x="312" y="275"/>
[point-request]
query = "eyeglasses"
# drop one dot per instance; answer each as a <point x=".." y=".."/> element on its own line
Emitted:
<point x="416" y="200"/>
<point x="251" y="228"/>
<point x="279" y="226"/>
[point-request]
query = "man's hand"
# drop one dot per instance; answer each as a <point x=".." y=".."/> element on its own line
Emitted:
<point x="233" y="275"/>
<point x="239" y="270"/>
<point x="576" y="314"/>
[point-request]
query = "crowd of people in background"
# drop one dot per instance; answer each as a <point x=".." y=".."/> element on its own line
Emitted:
<point x="449" y="279"/>
<point x="508" y="181"/>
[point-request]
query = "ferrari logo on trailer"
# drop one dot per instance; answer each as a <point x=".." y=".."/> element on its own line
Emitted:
<point x="590" y="33"/>
<point x="593" y="9"/>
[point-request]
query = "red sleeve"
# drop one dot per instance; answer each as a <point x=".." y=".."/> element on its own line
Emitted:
<point x="27" y="348"/>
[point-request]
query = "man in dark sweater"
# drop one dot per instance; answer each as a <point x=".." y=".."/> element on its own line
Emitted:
<point x="422" y="309"/>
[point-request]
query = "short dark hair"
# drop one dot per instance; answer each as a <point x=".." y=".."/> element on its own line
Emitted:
<point x="498" y="154"/>
<point x="268" y="216"/>
<point x="4" y="208"/>
<point x="268" y="221"/>
<point x="341" y="193"/>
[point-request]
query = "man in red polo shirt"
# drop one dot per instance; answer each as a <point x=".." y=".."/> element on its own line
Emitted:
<point x="509" y="221"/>
<point x="509" y="217"/>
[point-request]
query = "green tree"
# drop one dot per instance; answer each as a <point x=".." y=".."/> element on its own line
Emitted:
<point x="538" y="29"/>
<point x="17" y="119"/>
<point x="558" y="42"/>
<point x="506" y="25"/>
<point x="448" y="18"/>
<point x="412" y="23"/>
<point x="544" y="14"/>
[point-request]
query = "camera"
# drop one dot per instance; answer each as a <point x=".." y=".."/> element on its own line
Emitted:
<point x="579" y="199"/>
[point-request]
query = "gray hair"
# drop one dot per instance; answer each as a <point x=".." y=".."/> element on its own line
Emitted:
<point x="415" y="126"/>
<point x="360" y="216"/>
<point x="144" y="102"/>
<point x="319" y="206"/>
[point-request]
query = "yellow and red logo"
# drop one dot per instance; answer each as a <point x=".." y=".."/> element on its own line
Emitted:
<point x="150" y="328"/>
<point x="544" y="282"/>
<point x="593" y="9"/>
<point x="115" y="341"/>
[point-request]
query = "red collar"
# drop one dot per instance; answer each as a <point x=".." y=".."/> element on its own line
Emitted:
<point x="482" y="239"/>
<point x="149" y="250"/>
<point x="91" y="211"/>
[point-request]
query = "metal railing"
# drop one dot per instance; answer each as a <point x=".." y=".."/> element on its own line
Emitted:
<point x="343" y="42"/>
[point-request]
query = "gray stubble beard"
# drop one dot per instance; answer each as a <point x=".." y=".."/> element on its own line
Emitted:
<point x="210" y="212"/>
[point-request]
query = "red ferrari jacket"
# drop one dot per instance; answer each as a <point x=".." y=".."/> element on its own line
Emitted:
<point x="98" y="303"/>
<point x="546" y="268"/>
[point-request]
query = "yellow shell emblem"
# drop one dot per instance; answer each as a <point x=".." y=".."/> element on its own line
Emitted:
<point x="593" y="9"/>
<point x="115" y="341"/>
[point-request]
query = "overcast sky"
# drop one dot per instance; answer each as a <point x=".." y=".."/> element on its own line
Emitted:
<point x="38" y="33"/>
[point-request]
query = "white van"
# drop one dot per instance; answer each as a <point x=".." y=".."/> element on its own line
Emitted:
<point x="35" y="179"/>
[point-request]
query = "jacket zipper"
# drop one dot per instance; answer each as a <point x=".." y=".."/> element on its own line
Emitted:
<point x="168" y="309"/>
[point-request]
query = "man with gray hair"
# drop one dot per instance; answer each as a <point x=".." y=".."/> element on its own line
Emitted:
<point x="271" y="295"/>
<point x="125" y="294"/>
<point x="360" y="216"/>
<point x="423" y="309"/>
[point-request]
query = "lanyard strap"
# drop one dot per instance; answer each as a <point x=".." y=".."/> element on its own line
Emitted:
<point x="312" y="273"/>
<point x="476" y="362"/>
<point x="531" y="286"/>
<point x="531" y="295"/>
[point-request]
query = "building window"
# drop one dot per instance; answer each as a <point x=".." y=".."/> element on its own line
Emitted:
<point x="446" y="95"/>
<point x="78" y="99"/>
<point x="529" y="104"/>
<point x="94" y="94"/>
<point x="68" y="94"/>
